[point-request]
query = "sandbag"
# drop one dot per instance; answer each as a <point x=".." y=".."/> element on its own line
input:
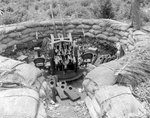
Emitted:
<point x="90" y="67"/>
<point x="29" y="72"/>
<point x="19" y="103"/>
<point x="41" y="111"/>
<point x="90" y="107"/>
<point x="102" y="75"/>
<point x="90" y="86"/>
<point x="118" y="102"/>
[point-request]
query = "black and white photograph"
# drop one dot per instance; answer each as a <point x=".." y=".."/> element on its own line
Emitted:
<point x="74" y="58"/>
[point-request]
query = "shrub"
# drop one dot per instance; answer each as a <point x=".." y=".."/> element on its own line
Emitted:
<point x="106" y="9"/>
<point x="8" y="18"/>
<point x="102" y="9"/>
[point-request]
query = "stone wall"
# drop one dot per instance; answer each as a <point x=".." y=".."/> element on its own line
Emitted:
<point x="102" y="29"/>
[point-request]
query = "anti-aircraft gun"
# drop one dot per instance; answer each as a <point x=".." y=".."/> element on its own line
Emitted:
<point x="64" y="55"/>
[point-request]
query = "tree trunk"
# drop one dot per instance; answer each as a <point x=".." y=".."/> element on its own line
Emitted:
<point x="135" y="14"/>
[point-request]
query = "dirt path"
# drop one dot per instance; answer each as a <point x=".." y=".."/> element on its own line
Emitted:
<point x="69" y="109"/>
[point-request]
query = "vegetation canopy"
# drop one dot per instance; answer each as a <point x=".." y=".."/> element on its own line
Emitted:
<point x="15" y="11"/>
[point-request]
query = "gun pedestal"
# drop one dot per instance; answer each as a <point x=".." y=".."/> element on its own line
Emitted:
<point x="52" y="63"/>
<point x="38" y="50"/>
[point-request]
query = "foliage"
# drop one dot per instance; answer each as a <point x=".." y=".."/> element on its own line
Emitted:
<point x="24" y="10"/>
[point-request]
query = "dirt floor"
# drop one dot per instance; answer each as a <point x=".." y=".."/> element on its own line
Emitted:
<point x="69" y="109"/>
